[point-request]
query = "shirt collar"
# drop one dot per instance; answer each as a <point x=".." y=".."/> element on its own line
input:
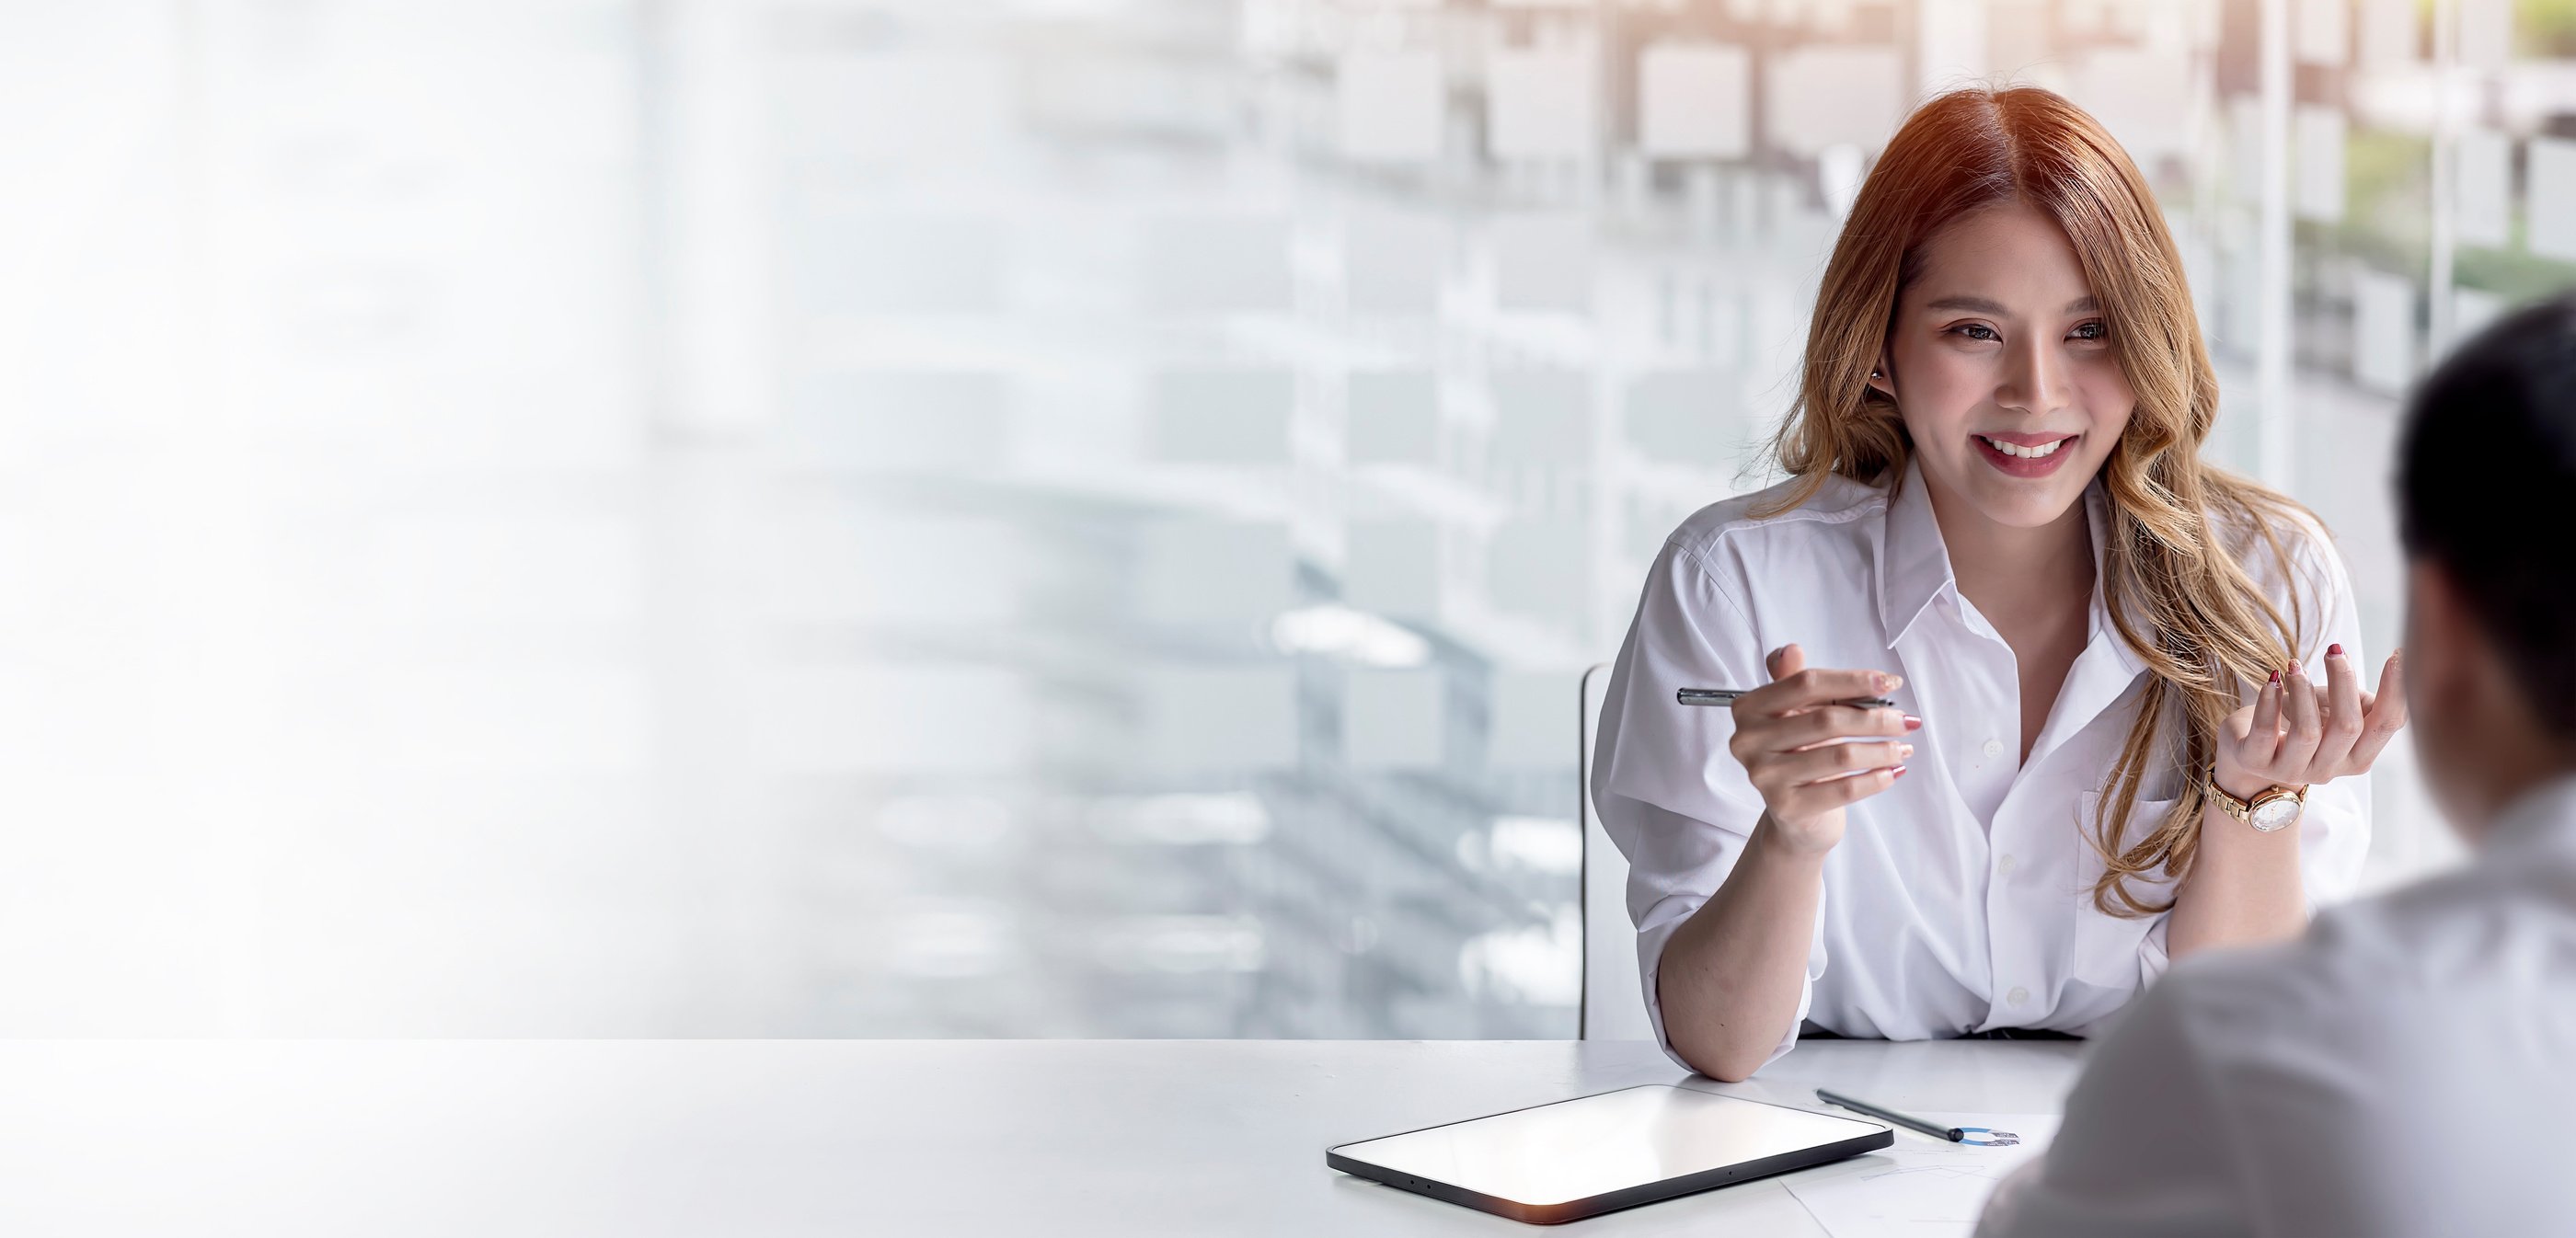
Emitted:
<point x="1915" y="565"/>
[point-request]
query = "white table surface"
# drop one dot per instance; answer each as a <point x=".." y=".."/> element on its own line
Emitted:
<point x="847" y="1137"/>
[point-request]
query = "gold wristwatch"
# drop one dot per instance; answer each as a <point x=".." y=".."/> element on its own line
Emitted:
<point x="2269" y="810"/>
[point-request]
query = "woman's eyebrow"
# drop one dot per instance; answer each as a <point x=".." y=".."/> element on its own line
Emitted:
<point x="1962" y="301"/>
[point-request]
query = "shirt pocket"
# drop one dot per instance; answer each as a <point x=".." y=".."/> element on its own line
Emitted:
<point x="2110" y="949"/>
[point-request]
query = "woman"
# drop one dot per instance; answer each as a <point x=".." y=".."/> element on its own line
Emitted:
<point x="2114" y="665"/>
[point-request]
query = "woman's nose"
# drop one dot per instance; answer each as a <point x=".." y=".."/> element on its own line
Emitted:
<point x="2037" y="381"/>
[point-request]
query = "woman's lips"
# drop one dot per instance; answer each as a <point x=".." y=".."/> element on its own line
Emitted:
<point x="2025" y="466"/>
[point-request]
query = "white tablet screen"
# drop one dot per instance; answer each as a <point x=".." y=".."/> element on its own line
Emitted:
<point x="1593" y="1145"/>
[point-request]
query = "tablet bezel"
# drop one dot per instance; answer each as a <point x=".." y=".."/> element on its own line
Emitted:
<point x="1625" y="1197"/>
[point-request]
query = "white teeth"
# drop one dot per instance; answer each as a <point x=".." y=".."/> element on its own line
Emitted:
<point x="2026" y="453"/>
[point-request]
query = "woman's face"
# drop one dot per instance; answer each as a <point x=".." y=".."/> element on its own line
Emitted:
<point x="2002" y="367"/>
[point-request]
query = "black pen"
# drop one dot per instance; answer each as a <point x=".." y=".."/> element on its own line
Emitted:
<point x="1951" y="1133"/>
<point x="1726" y="696"/>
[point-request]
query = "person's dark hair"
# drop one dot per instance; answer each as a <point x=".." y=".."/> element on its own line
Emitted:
<point x="2486" y="485"/>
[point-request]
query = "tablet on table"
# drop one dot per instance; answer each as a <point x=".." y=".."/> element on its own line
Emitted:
<point x="1595" y="1154"/>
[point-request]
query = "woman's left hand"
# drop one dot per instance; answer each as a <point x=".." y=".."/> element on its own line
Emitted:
<point x="2297" y="734"/>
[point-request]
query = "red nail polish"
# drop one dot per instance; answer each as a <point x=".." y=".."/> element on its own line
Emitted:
<point x="1898" y="772"/>
<point x="2276" y="676"/>
<point x="2334" y="651"/>
<point x="1913" y="723"/>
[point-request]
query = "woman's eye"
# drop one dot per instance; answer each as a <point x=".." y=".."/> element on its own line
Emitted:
<point x="2092" y="331"/>
<point x="1977" y="331"/>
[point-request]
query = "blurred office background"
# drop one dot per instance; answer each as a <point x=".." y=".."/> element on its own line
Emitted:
<point x="954" y="517"/>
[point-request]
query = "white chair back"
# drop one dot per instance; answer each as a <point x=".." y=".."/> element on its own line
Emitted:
<point x="1614" y="1002"/>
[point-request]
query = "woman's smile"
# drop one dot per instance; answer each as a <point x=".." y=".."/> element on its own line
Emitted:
<point x="2025" y="455"/>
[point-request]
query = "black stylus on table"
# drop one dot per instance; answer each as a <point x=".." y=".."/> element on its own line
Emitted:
<point x="1726" y="696"/>
<point x="1951" y="1133"/>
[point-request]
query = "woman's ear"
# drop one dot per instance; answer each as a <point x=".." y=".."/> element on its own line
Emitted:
<point x="1882" y="378"/>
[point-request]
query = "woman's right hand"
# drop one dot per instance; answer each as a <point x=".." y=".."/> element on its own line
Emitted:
<point x="1789" y="737"/>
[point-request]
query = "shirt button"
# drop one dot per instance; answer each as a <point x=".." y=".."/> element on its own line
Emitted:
<point x="1994" y="747"/>
<point x="2017" y="996"/>
<point x="2006" y="865"/>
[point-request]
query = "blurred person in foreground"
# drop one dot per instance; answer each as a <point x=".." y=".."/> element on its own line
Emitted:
<point x="2409" y="1065"/>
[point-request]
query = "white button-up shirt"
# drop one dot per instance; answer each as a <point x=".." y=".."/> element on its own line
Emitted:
<point x="2405" y="1068"/>
<point x="1961" y="898"/>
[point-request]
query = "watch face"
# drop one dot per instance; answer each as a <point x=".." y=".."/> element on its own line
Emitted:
<point x="2273" y="814"/>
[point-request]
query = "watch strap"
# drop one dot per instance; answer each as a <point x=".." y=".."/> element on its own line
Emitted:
<point x="2243" y="809"/>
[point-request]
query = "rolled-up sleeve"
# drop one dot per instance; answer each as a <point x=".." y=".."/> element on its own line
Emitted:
<point x="1669" y="794"/>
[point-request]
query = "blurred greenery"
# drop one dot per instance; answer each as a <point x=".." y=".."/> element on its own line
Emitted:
<point x="2542" y="29"/>
<point x="2514" y="274"/>
<point x="2388" y="183"/>
<point x="2388" y="177"/>
<point x="2545" y="27"/>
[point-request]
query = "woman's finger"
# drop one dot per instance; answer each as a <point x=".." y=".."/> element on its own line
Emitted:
<point x="2343" y="712"/>
<point x="2383" y="717"/>
<point x="1841" y="792"/>
<point x="1783" y="662"/>
<point x="2263" y="743"/>
<point x="1797" y="769"/>
<point x="1811" y="686"/>
<point x="1750" y="709"/>
<point x="2307" y="722"/>
<point x="1826" y="723"/>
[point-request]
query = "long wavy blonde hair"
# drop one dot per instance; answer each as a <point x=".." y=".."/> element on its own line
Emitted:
<point x="2177" y="522"/>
